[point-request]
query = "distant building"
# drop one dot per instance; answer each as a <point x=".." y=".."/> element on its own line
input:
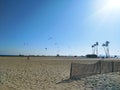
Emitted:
<point x="91" y="56"/>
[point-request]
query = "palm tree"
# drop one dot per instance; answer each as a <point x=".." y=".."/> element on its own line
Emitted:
<point x="92" y="49"/>
<point x="107" y="43"/>
<point x="104" y="45"/>
<point x="107" y="48"/>
<point x="96" y="48"/>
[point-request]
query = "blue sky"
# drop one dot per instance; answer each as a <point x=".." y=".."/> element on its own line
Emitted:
<point x="67" y="27"/>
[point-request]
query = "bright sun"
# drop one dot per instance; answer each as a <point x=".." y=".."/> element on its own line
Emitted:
<point x="113" y="5"/>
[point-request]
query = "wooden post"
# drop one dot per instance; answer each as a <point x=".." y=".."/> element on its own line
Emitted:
<point x="71" y="72"/>
<point x="112" y="66"/>
<point x="100" y="67"/>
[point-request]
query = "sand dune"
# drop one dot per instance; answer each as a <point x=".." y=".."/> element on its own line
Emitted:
<point x="50" y="73"/>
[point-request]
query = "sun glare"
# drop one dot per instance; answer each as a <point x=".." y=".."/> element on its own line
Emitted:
<point x="113" y="5"/>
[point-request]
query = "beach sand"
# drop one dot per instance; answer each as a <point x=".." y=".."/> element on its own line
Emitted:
<point x="50" y="73"/>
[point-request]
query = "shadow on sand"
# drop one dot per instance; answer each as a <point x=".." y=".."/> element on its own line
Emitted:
<point x="69" y="80"/>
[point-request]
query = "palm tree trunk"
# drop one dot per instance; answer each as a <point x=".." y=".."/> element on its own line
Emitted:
<point x="108" y="55"/>
<point x="105" y="51"/>
<point x="97" y="50"/>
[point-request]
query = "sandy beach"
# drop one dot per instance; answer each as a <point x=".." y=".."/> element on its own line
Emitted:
<point x="50" y="73"/>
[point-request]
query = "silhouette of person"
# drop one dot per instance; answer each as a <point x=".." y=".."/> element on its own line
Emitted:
<point x="28" y="57"/>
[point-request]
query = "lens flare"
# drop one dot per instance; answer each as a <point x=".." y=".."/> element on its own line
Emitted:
<point x="113" y="5"/>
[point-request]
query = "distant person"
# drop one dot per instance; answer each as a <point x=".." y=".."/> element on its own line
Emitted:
<point x="102" y="57"/>
<point x="28" y="58"/>
<point x="115" y="56"/>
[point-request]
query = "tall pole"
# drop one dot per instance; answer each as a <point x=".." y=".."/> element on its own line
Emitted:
<point x="97" y="48"/>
